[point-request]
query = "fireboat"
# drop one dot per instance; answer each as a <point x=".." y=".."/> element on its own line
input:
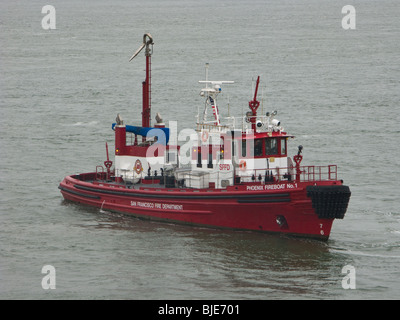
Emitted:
<point x="231" y="173"/>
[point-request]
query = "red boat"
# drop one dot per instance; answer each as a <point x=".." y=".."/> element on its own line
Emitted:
<point x="236" y="175"/>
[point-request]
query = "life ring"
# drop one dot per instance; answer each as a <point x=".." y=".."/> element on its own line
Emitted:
<point x="242" y="165"/>
<point x="204" y="136"/>
<point x="138" y="168"/>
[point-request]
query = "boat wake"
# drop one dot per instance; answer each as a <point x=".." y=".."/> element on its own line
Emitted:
<point x="365" y="254"/>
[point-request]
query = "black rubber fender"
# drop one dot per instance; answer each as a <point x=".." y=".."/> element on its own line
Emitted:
<point x="329" y="202"/>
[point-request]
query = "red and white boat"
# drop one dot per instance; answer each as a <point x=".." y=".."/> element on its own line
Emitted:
<point x="235" y="175"/>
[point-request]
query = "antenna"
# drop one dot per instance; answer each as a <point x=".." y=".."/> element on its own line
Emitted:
<point x="229" y="113"/>
<point x="207" y="66"/>
<point x="262" y="100"/>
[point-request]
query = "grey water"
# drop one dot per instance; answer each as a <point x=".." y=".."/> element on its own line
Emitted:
<point x="336" y="90"/>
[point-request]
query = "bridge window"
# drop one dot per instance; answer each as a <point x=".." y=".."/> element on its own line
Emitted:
<point x="171" y="157"/>
<point x="243" y="141"/>
<point x="210" y="159"/>
<point x="131" y="139"/>
<point x="199" y="158"/>
<point x="258" y="147"/>
<point x="271" y="146"/>
<point x="283" y="146"/>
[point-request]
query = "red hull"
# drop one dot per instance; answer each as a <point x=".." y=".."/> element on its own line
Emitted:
<point x="278" y="208"/>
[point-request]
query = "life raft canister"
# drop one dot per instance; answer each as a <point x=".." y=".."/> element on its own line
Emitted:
<point x="138" y="166"/>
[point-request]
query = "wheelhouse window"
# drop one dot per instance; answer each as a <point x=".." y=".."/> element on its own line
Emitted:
<point x="244" y="146"/>
<point x="171" y="157"/>
<point x="258" y="147"/>
<point x="131" y="139"/>
<point x="271" y="146"/>
<point x="210" y="163"/>
<point x="283" y="146"/>
<point x="198" y="159"/>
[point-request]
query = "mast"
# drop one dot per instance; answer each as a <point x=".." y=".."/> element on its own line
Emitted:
<point x="211" y="97"/>
<point x="146" y="84"/>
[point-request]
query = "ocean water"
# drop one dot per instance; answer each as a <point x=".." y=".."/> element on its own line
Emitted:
<point x="336" y="90"/>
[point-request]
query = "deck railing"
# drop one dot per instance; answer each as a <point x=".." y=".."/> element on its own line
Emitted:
<point x="306" y="173"/>
<point x="262" y="176"/>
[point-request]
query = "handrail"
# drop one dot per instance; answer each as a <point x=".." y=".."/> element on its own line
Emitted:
<point x="99" y="174"/>
<point x="210" y="127"/>
<point x="278" y="174"/>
